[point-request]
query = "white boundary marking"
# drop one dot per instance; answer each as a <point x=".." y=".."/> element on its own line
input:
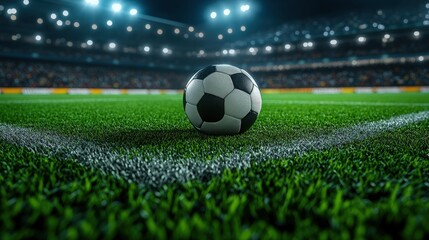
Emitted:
<point x="155" y="170"/>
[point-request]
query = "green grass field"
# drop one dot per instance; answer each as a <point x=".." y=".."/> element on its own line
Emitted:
<point x="359" y="179"/>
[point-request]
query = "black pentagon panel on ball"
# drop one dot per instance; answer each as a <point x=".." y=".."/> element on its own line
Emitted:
<point x="203" y="73"/>
<point x="211" y="108"/>
<point x="248" y="121"/>
<point x="242" y="82"/>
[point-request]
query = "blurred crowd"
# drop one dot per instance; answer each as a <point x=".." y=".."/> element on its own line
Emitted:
<point x="397" y="75"/>
<point x="37" y="74"/>
<point x="43" y="74"/>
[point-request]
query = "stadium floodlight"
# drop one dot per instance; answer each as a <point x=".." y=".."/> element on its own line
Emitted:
<point x="89" y="42"/>
<point x="159" y="31"/>
<point x="386" y="36"/>
<point x="59" y="23"/>
<point x="226" y="11"/>
<point x="421" y="58"/>
<point x="109" y="23"/>
<point x="12" y="11"/>
<point x="200" y="34"/>
<point x="333" y="42"/>
<point x="26" y="2"/>
<point x="213" y="15"/>
<point x="229" y="30"/>
<point x="116" y="7"/>
<point x="165" y="50"/>
<point x="268" y="48"/>
<point x="40" y="21"/>
<point x="224" y="52"/>
<point x="129" y="29"/>
<point x="244" y="7"/>
<point x="147" y="26"/>
<point x="416" y="34"/>
<point x="65" y="13"/>
<point x="69" y="44"/>
<point x="201" y="52"/>
<point x="231" y="51"/>
<point x="94" y="26"/>
<point x="288" y="46"/>
<point x="112" y="45"/>
<point x="361" y="39"/>
<point x="13" y="17"/>
<point x="243" y="28"/>
<point x="191" y="29"/>
<point x="176" y="31"/>
<point x="53" y="16"/>
<point x="92" y="2"/>
<point x="76" y="24"/>
<point x="133" y="12"/>
<point x="67" y="22"/>
<point x="146" y="49"/>
<point x="220" y="36"/>
<point x="253" y="50"/>
<point x="38" y="38"/>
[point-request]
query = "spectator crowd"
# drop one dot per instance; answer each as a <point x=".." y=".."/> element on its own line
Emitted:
<point x="44" y="74"/>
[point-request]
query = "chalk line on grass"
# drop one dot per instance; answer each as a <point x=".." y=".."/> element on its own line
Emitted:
<point x="155" y="170"/>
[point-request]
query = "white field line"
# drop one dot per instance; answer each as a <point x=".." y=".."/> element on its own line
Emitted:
<point x="346" y="103"/>
<point x="158" y="169"/>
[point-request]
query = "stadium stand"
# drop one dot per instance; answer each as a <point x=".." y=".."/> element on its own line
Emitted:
<point x="53" y="75"/>
<point x="322" y="52"/>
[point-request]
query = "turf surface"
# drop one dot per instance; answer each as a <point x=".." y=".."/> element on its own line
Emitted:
<point x="376" y="188"/>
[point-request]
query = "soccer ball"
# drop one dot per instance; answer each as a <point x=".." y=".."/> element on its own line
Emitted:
<point x="222" y="100"/>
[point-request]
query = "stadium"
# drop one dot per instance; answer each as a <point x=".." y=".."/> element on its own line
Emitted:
<point x="244" y="119"/>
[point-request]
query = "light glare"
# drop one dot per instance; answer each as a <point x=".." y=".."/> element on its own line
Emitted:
<point x="133" y="12"/>
<point x="245" y="7"/>
<point x="416" y="34"/>
<point x="226" y="12"/>
<point x="92" y="2"/>
<point x="112" y="45"/>
<point x="116" y="7"/>
<point x="213" y="15"/>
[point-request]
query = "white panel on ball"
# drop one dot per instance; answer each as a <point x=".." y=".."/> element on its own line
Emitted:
<point x="227" y="125"/>
<point x="194" y="91"/>
<point x="237" y="104"/>
<point x="228" y="69"/>
<point x="248" y="75"/>
<point x="218" y="84"/>
<point x="192" y="113"/>
<point x="255" y="96"/>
